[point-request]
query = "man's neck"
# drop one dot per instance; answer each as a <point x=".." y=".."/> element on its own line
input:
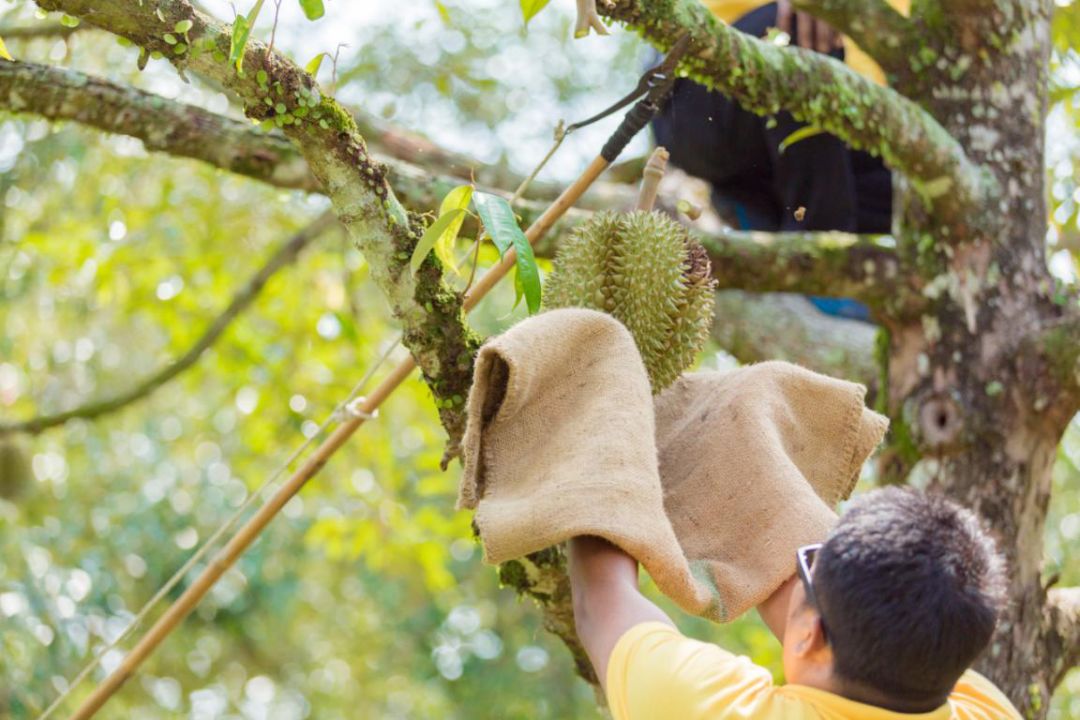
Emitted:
<point x="862" y="693"/>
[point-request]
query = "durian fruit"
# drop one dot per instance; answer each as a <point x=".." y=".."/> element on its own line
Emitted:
<point x="645" y="270"/>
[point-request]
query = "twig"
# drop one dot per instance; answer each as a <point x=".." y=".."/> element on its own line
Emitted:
<point x="283" y="256"/>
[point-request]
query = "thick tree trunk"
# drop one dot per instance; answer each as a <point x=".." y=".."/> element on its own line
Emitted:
<point x="985" y="425"/>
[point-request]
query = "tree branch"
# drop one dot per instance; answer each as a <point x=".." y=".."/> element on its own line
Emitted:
<point x="163" y="125"/>
<point x="874" y="25"/>
<point x="32" y="32"/>
<point x="764" y="79"/>
<point x="274" y="88"/>
<point x="1063" y="620"/>
<point x="780" y="326"/>
<point x="283" y="256"/>
<point x="836" y="264"/>
<point x="190" y="131"/>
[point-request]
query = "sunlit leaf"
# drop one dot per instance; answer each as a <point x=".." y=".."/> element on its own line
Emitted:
<point x="501" y="225"/>
<point x="4" y="51"/>
<point x="432" y="234"/>
<point x="806" y="131"/>
<point x="529" y="8"/>
<point x="456" y="199"/>
<point x="444" y="13"/>
<point x="313" y="9"/>
<point x="314" y="64"/>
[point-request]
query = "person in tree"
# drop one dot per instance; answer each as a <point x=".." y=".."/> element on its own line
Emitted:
<point x="814" y="183"/>
<point x="880" y="622"/>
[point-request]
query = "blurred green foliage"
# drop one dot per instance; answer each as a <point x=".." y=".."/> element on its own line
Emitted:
<point x="368" y="597"/>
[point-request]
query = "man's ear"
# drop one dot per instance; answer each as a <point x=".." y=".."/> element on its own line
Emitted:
<point x="810" y="640"/>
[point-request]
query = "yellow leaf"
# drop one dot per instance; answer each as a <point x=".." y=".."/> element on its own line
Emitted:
<point x="4" y="51"/>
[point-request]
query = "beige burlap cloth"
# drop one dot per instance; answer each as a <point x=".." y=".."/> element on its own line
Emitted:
<point x="711" y="485"/>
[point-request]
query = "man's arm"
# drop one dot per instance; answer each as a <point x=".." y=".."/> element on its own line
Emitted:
<point x="774" y="610"/>
<point x="607" y="601"/>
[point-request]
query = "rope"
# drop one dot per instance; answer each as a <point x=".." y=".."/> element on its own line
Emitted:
<point x="346" y="407"/>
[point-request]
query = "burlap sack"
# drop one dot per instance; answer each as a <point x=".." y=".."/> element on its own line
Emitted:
<point x="752" y="462"/>
<point x="561" y="441"/>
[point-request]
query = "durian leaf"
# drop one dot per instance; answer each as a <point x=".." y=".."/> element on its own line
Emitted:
<point x="313" y="9"/>
<point x="432" y="234"/>
<point x="498" y="218"/>
<point x="807" y="131"/>
<point x="529" y="8"/>
<point x="456" y="199"/>
<point x="241" y="32"/>
<point x="501" y="225"/>
<point x="519" y="291"/>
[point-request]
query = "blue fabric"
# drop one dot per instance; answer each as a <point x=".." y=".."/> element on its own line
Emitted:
<point x="841" y="307"/>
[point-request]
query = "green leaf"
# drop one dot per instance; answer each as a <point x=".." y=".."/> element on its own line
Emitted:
<point x="444" y="13"/>
<point x="802" y="133"/>
<point x="183" y="26"/>
<point x="456" y="199"/>
<point x="314" y="64"/>
<point x="169" y="38"/>
<point x="313" y="9"/>
<point x="498" y="218"/>
<point x="501" y="225"/>
<point x="4" y="51"/>
<point x="69" y="21"/>
<point x="519" y="291"/>
<point x="241" y="32"/>
<point x="529" y="8"/>
<point x="432" y="235"/>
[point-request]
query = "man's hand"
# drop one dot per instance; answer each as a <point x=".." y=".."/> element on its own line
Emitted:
<point x="607" y="602"/>
<point x="813" y="34"/>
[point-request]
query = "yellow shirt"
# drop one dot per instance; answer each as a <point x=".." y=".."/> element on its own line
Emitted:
<point x="731" y="10"/>
<point x="655" y="673"/>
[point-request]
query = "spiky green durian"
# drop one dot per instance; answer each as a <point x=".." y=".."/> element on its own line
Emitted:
<point x="644" y="269"/>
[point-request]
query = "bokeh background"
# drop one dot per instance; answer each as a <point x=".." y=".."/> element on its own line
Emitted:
<point x="368" y="597"/>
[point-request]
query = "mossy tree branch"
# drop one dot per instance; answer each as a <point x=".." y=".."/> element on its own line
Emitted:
<point x="193" y="132"/>
<point x="765" y="78"/>
<point x="284" y="256"/>
<point x="163" y="125"/>
<point x="836" y="264"/>
<point x="754" y="327"/>
<point x="874" y="25"/>
<point x="274" y="88"/>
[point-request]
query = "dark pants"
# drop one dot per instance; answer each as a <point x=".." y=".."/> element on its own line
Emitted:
<point x="757" y="187"/>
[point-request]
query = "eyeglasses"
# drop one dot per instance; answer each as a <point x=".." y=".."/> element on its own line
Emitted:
<point x="805" y="564"/>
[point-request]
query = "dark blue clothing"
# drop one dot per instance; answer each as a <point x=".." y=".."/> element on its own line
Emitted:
<point x="758" y="187"/>
<point x="754" y="185"/>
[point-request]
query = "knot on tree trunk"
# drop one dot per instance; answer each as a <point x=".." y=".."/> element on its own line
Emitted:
<point x="940" y="422"/>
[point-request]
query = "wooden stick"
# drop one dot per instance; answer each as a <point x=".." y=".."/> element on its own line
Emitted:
<point x="651" y="177"/>
<point x="227" y="556"/>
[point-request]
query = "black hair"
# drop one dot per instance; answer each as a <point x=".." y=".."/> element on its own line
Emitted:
<point x="910" y="587"/>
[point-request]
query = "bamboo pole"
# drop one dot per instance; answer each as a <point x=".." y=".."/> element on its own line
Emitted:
<point x="227" y="556"/>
